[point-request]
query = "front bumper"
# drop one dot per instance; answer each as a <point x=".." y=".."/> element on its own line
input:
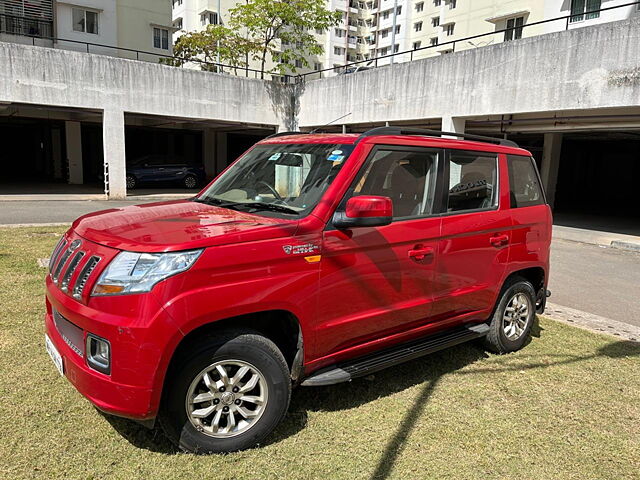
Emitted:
<point x="142" y="337"/>
<point x="109" y="396"/>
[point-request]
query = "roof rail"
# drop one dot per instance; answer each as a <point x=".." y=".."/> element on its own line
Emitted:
<point x="282" y="134"/>
<point x="391" y="130"/>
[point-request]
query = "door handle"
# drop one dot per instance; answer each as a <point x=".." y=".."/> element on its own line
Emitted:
<point x="419" y="252"/>
<point x="499" y="240"/>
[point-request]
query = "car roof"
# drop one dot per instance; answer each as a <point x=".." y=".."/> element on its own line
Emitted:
<point x="414" y="140"/>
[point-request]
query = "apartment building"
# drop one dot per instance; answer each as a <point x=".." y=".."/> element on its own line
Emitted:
<point x="109" y="27"/>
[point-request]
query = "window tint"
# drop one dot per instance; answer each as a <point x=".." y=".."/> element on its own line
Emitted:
<point x="524" y="181"/>
<point x="473" y="183"/>
<point x="405" y="176"/>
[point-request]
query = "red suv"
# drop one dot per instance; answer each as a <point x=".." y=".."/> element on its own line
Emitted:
<point x="312" y="260"/>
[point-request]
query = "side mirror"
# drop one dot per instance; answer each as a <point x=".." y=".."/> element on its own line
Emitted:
<point x="364" y="211"/>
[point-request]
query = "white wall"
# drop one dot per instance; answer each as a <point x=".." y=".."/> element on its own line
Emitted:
<point x="107" y="26"/>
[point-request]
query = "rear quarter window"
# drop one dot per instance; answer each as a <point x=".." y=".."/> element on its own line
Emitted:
<point x="524" y="182"/>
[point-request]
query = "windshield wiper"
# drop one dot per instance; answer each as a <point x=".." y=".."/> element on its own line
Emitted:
<point x="218" y="203"/>
<point x="274" y="207"/>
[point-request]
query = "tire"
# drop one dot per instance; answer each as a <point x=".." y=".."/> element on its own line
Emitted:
<point x="233" y="351"/>
<point x="511" y="323"/>
<point x="131" y="182"/>
<point x="190" y="181"/>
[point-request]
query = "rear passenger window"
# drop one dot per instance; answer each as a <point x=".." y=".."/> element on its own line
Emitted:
<point x="405" y="176"/>
<point x="524" y="181"/>
<point x="473" y="181"/>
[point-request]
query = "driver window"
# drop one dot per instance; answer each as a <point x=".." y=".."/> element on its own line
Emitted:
<point x="406" y="176"/>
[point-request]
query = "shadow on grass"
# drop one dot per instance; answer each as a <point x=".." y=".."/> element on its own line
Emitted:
<point x="426" y="371"/>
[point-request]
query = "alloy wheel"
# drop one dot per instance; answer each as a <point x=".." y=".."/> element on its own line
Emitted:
<point x="226" y="398"/>
<point x="516" y="316"/>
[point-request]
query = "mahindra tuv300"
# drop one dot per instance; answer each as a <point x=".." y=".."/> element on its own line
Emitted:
<point x="312" y="260"/>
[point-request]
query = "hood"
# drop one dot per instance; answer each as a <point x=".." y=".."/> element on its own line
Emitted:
<point x="177" y="225"/>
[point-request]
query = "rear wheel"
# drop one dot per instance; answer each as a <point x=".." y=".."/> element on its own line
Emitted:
<point x="227" y="395"/>
<point x="190" y="181"/>
<point x="131" y="182"/>
<point x="513" y="318"/>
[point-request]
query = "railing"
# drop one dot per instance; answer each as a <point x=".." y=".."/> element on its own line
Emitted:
<point x="36" y="29"/>
<point x="24" y="26"/>
<point x="568" y="19"/>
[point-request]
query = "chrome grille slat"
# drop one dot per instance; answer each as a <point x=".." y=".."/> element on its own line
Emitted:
<point x="73" y="265"/>
<point x="56" y="253"/>
<point x="83" y="277"/>
<point x="63" y="259"/>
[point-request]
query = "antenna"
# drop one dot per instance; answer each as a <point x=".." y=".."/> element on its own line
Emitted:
<point x="327" y="124"/>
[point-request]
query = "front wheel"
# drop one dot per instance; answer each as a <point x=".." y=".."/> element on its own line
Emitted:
<point x="513" y="317"/>
<point x="228" y="395"/>
<point x="190" y="181"/>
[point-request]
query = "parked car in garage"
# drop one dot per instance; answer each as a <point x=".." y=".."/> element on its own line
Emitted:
<point x="314" y="259"/>
<point x="155" y="169"/>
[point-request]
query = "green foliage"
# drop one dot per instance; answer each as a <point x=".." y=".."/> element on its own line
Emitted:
<point x="258" y="29"/>
<point x="215" y="44"/>
<point x="291" y="22"/>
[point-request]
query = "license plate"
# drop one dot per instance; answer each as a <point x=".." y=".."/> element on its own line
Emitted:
<point x="53" y="353"/>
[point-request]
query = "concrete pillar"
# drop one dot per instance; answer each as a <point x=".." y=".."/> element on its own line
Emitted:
<point x="550" y="164"/>
<point x="453" y="124"/>
<point x="221" y="151"/>
<point x="114" y="152"/>
<point x="209" y="152"/>
<point x="73" y="137"/>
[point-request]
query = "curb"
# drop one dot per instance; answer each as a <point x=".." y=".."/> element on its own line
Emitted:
<point x="593" y="323"/>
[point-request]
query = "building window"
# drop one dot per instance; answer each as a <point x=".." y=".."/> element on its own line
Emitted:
<point x="385" y="15"/>
<point x="85" y="21"/>
<point x="340" y="33"/>
<point x="580" y="7"/>
<point x="514" y="29"/>
<point x="178" y="24"/>
<point x="419" y="6"/>
<point x="433" y="41"/>
<point x="452" y="4"/>
<point x="209" y="18"/>
<point x="417" y="26"/>
<point x="437" y="3"/>
<point x="319" y="31"/>
<point x="337" y="50"/>
<point x="435" y="21"/>
<point x="161" y="38"/>
<point x="399" y="10"/>
<point x="317" y="66"/>
<point x="397" y="29"/>
<point x="177" y="3"/>
<point x="384" y="51"/>
<point x="416" y="45"/>
<point x="396" y="48"/>
<point x="298" y="63"/>
<point x="384" y="33"/>
<point x="449" y="29"/>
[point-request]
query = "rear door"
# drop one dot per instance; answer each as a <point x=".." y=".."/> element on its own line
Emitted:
<point x="476" y="223"/>
<point x="376" y="281"/>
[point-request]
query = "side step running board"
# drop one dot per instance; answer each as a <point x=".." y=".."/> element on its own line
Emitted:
<point x="387" y="358"/>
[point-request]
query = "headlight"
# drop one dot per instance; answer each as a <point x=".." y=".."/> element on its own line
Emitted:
<point x="133" y="272"/>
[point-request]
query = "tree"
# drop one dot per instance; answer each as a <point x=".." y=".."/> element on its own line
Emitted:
<point x="290" y="21"/>
<point x="216" y="44"/>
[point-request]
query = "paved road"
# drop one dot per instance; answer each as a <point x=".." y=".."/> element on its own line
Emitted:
<point x="601" y="281"/>
<point x="12" y="213"/>
<point x="598" y="280"/>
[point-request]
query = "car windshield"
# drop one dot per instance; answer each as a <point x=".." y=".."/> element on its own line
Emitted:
<point x="278" y="179"/>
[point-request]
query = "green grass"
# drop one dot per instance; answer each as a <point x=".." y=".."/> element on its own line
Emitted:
<point x="565" y="407"/>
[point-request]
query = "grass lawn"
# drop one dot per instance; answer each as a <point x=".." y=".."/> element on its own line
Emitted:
<point x="565" y="407"/>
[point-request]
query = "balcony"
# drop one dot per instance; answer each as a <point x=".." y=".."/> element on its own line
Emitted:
<point x="27" y="27"/>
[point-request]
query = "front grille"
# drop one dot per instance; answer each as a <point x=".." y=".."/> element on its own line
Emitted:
<point x="70" y="333"/>
<point x="85" y="273"/>
<point x="73" y="264"/>
<point x="66" y="260"/>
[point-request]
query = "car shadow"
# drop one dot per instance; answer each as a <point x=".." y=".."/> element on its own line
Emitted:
<point x="425" y="371"/>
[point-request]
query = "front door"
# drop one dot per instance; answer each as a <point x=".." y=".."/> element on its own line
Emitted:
<point x="376" y="281"/>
